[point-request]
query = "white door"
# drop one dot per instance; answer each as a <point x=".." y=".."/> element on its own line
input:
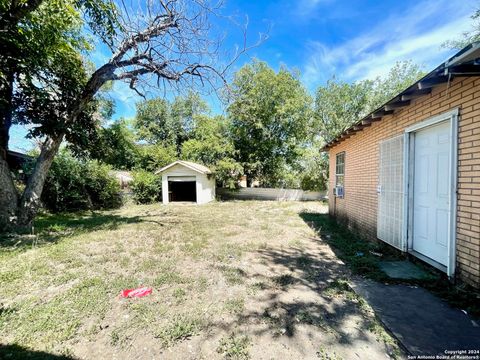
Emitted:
<point x="431" y="192"/>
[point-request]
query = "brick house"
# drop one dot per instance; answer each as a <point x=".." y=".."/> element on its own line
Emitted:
<point x="409" y="172"/>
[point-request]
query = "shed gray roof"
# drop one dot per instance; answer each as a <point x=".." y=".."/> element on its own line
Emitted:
<point x="188" y="164"/>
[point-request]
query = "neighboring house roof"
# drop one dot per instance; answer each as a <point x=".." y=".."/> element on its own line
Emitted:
<point x="16" y="159"/>
<point x="19" y="155"/>
<point x="191" y="165"/>
<point x="464" y="63"/>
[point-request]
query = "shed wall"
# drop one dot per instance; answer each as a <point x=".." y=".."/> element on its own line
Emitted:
<point x="359" y="206"/>
<point x="205" y="185"/>
<point x="205" y="189"/>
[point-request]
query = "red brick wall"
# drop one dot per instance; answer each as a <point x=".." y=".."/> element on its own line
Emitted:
<point x="359" y="206"/>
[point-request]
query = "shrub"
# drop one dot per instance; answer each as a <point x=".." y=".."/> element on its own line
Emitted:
<point x="228" y="173"/>
<point x="103" y="189"/>
<point x="146" y="187"/>
<point x="74" y="184"/>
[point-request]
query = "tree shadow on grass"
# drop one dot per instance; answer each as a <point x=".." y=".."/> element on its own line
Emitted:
<point x="16" y="352"/>
<point x="301" y="290"/>
<point x="356" y="252"/>
<point x="347" y="246"/>
<point x="51" y="228"/>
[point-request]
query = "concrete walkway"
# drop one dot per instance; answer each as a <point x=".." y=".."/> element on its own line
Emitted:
<point x="423" y="323"/>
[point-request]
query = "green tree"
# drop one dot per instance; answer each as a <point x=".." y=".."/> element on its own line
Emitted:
<point x="209" y="141"/>
<point x="153" y="123"/>
<point x="40" y="70"/>
<point x="154" y="157"/>
<point x="146" y="187"/>
<point x="269" y="115"/>
<point x="116" y="146"/>
<point x="468" y="37"/>
<point x="184" y="111"/>
<point x="210" y="144"/>
<point x="77" y="184"/>
<point x="313" y="170"/>
<point x="159" y="121"/>
<point x="43" y="69"/>
<point x="228" y="173"/>
<point x="339" y="104"/>
<point x="402" y="75"/>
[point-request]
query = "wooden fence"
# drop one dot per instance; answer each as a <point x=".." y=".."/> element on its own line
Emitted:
<point x="271" y="194"/>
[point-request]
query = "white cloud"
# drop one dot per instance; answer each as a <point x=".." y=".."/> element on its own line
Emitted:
<point x="306" y="8"/>
<point x="416" y="34"/>
<point x="125" y="98"/>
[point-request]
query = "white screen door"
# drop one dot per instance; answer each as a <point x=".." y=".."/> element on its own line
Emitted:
<point x="431" y="192"/>
<point x="390" y="192"/>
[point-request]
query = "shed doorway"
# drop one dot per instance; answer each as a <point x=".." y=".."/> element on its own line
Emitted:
<point x="182" y="189"/>
<point x="187" y="181"/>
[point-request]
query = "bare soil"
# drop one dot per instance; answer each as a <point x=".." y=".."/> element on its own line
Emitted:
<point x="233" y="280"/>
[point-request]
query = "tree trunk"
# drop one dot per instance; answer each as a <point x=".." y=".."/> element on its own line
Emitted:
<point x="30" y="201"/>
<point x="8" y="197"/>
<point x="8" y="192"/>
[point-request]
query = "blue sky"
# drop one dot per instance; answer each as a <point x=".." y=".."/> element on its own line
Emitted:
<point x="352" y="40"/>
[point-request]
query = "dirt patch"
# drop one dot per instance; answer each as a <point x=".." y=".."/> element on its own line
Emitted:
<point x="233" y="280"/>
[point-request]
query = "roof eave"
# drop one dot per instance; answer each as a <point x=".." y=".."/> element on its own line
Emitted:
<point x="464" y="63"/>
<point x="183" y="163"/>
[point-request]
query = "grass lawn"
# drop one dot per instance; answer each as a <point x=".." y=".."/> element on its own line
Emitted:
<point x="233" y="280"/>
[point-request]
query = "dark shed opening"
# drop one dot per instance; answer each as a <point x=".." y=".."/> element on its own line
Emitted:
<point x="182" y="191"/>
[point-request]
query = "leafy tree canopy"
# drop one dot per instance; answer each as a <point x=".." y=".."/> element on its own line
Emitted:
<point x="45" y="82"/>
<point x="211" y="144"/>
<point x="153" y="157"/>
<point x="402" y="75"/>
<point x="153" y="122"/>
<point x="41" y="54"/>
<point x="209" y="141"/>
<point x="339" y="104"/>
<point x="467" y="37"/>
<point x="41" y="74"/>
<point x="269" y="114"/>
<point x="115" y="145"/>
<point x="159" y="121"/>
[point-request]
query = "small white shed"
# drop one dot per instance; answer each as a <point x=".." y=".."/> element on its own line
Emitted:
<point x="187" y="181"/>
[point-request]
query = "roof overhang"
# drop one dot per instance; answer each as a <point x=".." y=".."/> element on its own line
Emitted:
<point x="19" y="155"/>
<point x="464" y="63"/>
<point x="192" y="166"/>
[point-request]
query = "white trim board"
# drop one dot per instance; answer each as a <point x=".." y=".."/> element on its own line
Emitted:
<point x="452" y="117"/>
<point x="433" y="120"/>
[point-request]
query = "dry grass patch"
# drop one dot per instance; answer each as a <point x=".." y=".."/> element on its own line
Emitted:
<point x="230" y="280"/>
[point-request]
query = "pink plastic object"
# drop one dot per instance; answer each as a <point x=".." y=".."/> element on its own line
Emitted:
<point x="140" y="292"/>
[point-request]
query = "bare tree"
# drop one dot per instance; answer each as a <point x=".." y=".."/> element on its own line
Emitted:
<point x="165" y="44"/>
